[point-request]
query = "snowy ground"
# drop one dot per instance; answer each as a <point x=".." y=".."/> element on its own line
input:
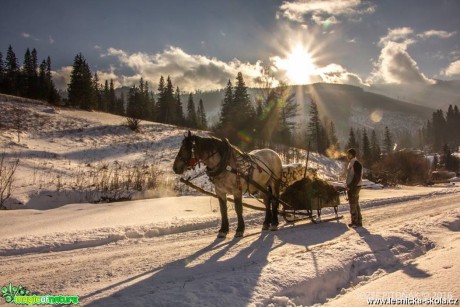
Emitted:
<point x="164" y="251"/>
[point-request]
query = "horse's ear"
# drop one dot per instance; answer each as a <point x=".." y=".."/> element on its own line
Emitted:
<point x="189" y="133"/>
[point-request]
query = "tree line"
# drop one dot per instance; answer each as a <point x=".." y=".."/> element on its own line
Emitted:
<point x="165" y="106"/>
<point x="30" y="80"/>
<point x="441" y="130"/>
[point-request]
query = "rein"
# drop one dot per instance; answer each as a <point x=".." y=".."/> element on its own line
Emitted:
<point x="195" y="160"/>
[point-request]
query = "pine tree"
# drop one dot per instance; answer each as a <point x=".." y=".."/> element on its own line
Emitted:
<point x="366" y="150"/>
<point x="276" y="108"/>
<point x="332" y="135"/>
<point x="388" y="143"/>
<point x="146" y="106"/>
<point x="34" y="62"/>
<point x="314" y="127"/>
<point x="161" y="106"/>
<point x="134" y="109"/>
<point x="243" y="106"/>
<point x="27" y="64"/>
<point x="171" y="102"/>
<point x="179" y="109"/>
<point x="112" y="98"/>
<point x="352" y="143"/>
<point x="288" y="106"/>
<point x="81" y="90"/>
<point x="105" y="97"/>
<point x="28" y="76"/>
<point x="457" y="128"/>
<point x="375" y="147"/>
<point x="439" y="130"/>
<point x="359" y="138"/>
<point x="11" y="72"/>
<point x="2" y="72"/>
<point x="450" y="125"/>
<point x="227" y="112"/>
<point x="42" y="83"/>
<point x="315" y="130"/>
<point x="450" y="162"/>
<point x="97" y="91"/>
<point x="191" y="113"/>
<point x="52" y="95"/>
<point x="202" y="122"/>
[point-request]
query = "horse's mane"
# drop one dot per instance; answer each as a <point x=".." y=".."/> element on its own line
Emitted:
<point x="222" y="146"/>
<point x="211" y="143"/>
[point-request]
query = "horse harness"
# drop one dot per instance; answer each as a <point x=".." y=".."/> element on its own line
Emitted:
<point x="245" y="165"/>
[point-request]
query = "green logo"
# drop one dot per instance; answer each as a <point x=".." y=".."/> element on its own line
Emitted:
<point x="21" y="296"/>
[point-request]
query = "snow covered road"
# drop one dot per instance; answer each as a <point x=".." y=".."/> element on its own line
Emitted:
<point x="302" y="265"/>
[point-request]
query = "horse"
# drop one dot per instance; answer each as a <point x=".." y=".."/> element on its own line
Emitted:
<point x="224" y="166"/>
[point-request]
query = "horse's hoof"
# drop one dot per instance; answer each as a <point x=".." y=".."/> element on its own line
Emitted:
<point x="222" y="234"/>
<point x="265" y="227"/>
<point x="274" y="227"/>
<point x="239" y="234"/>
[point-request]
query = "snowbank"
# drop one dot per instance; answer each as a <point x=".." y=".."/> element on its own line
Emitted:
<point x="82" y="225"/>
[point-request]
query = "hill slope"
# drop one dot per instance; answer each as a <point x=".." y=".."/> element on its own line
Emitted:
<point x="71" y="156"/>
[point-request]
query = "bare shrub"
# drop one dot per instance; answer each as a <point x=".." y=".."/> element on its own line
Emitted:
<point x="401" y="168"/>
<point x="114" y="181"/>
<point x="7" y="170"/>
<point x="133" y="124"/>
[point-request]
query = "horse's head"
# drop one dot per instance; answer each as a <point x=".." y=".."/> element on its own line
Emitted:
<point x="185" y="157"/>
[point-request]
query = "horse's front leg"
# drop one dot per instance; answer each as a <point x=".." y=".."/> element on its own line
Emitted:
<point x="223" y="231"/>
<point x="239" y="214"/>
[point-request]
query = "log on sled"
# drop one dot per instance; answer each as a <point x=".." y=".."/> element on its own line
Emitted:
<point x="308" y="194"/>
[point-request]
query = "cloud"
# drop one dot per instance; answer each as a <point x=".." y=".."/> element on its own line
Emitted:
<point x="436" y="33"/>
<point x="399" y="35"/>
<point x="452" y="70"/>
<point x="395" y="64"/>
<point x="189" y="71"/>
<point x="296" y="10"/>
<point x="108" y="75"/>
<point x="50" y="39"/>
<point x="335" y="73"/>
<point x="455" y="54"/>
<point x="61" y="77"/>
<point x="27" y="35"/>
<point x="319" y="20"/>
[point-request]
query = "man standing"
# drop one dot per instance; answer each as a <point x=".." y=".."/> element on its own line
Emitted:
<point x="354" y="182"/>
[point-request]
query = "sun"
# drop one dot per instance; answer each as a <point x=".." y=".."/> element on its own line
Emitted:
<point x="298" y="65"/>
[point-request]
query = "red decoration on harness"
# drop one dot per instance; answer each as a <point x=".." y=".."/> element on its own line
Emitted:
<point x="192" y="162"/>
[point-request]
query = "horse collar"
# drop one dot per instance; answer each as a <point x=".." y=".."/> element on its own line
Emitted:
<point x="221" y="166"/>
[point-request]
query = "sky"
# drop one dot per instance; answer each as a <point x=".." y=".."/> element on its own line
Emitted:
<point x="202" y="44"/>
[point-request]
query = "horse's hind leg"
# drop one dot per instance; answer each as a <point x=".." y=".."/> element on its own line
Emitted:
<point x="268" y="212"/>
<point x="274" y="205"/>
<point x="239" y="214"/>
<point x="223" y="231"/>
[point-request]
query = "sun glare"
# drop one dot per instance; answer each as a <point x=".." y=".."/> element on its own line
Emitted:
<point x="298" y="65"/>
